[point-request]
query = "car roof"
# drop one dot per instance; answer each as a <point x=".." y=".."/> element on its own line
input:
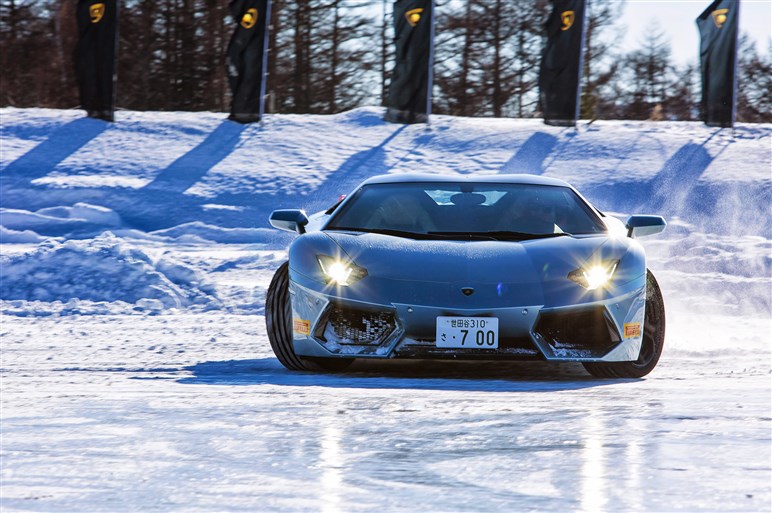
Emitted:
<point x="436" y="178"/>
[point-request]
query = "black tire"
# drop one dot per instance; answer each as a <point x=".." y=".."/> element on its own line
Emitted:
<point x="278" y="323"/>
<point x="653" y="340"/>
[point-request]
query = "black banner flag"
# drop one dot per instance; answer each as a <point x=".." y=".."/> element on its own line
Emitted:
<point x="247" y="56"/>
<point x="409" y="99"/>
<point x="95" y="56"/>
<point x="561" y="63"/>
<point x="718" y="59"/>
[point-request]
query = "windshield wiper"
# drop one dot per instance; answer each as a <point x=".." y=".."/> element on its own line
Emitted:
<point x="383" y="231"/>
<point x="525" y="235"/>
<point x="462" y="235"/>
<point x="503" y="235"/>
<point x="492" y="235"/>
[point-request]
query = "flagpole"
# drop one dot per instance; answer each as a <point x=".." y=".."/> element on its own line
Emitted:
<point x="430" y="79"/>
<point x="383" y="55"/>
<point x="734" y="71"/>
<point x="113" y="107"/>
<point x="265" y="59"/>
<point x="581" y="63"/>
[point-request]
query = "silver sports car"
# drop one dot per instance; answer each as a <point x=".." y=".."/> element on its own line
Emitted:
<point x="473" y="267"/>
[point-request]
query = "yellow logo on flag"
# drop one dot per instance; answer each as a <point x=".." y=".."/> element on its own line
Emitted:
<point x="719" y="17"/>
<point x="96" y="11"/>
<point x="413" y="16"/>
<point x="567" y="17"/>
<point x="301" y="326"/>
<point x="633" y="330"/>
<point x="249" y="19"/>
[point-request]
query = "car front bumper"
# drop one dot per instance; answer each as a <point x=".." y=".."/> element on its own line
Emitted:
<point x="609" y="329"/>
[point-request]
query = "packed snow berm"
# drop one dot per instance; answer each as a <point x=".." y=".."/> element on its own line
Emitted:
<point x="137" y="375"/>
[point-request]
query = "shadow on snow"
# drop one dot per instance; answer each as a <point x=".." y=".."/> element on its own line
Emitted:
<point x="404" y="374"/>
<point x="187" y="170"/>
<point x="676" y="189"/>
<point x="530" y="157"/>
<point x="61" y="143"/>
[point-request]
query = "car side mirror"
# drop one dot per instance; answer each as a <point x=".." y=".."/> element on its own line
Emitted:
<point x="289" y="220"/>
<point x="640" y="226"/>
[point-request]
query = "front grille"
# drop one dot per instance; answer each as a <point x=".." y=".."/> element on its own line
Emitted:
<point x="358" y="327"/>
<point x="520" y="348"/>
<point x="586" y="333"/>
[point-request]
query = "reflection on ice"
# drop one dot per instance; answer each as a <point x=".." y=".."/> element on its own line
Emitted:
<point x="633" y="464"/>
<point x="593" y="464"/>
<point x="331" y="463"/>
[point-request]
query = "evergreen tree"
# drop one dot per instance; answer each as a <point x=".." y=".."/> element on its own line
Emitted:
<point x="647" y="73"/>
<point x="683" y="99"/>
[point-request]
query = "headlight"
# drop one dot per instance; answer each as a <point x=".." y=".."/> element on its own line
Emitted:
<point x="594" y="276"/>
<point x="340" y="272"/>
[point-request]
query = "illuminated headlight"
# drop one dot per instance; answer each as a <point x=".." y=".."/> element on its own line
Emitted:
<point x="340" y="272"/>
<point x="594" y="276"/>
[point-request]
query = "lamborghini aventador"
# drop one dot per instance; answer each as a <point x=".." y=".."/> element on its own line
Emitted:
<point x="473" y="267"/>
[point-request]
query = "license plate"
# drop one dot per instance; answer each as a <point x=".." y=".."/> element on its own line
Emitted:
<point x="468" y="332"/>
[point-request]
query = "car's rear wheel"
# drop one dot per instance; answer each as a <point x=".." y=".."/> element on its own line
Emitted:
<point x="278" y="322"/>
<point x="653" y="340"/>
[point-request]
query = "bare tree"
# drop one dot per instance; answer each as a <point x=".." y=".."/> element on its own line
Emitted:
<point x="327" y="56"/>
<point x="457" y="48"/>
<point x="488" y="57"/>
<point x="754" y="83"/>
<point x="35" y="62"/>
<point x="600" y="64"/>
<point x="344" y="62"/>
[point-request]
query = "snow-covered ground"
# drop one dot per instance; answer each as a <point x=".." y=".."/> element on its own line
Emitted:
<point x="137" y="376"/>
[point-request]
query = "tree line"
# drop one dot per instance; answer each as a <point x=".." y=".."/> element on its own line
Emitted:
<point x="327" y="56"/>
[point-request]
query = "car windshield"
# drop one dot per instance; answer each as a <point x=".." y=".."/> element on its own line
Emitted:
<point x="467" y="210"/>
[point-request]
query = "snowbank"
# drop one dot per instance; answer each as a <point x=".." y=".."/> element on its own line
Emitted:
<point x="18" y="236"/>
<point x="80" y="220"/>
<point x="208" y="232"/>
<point x="104" y="269"/>
<point x="167" y="180"/>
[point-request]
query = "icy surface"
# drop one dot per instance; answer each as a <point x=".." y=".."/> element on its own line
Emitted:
<point x="137" y="376"/>
<point x="192" y="412"/>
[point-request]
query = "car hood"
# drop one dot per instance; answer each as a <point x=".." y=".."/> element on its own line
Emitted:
<point x="475" y="262"/>
<point x="431" y="272"/>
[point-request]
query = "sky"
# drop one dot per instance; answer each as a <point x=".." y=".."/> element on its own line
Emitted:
<point x="676" y="18"/>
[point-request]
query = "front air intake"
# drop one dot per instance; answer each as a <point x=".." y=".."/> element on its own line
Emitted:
<point x="351" y="326"/>
<point x="583" y="333"/>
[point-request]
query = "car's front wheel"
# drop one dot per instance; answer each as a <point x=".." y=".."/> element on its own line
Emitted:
<point x="278" y="322"/>
<point x="653" y="340"/>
